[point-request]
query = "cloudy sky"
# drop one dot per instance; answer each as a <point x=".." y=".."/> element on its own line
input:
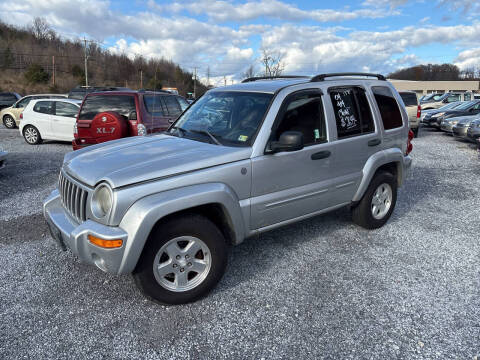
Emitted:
<point x="313" y="36"/>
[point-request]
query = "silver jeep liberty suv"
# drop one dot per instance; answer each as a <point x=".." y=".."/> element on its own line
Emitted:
<point x="241" y="160"/>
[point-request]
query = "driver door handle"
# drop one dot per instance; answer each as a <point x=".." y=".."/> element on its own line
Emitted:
<point x="321" y="155"/>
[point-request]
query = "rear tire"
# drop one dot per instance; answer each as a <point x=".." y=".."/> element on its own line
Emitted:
<point x="9" y="122"/>
<point x="183" y="260"/>
<point x="32" y="135"/>
<point x="377" y="203"/>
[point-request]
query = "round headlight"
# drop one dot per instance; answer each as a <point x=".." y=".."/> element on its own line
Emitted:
<point x="102" y="201"/>
<point x="141" y="130"/>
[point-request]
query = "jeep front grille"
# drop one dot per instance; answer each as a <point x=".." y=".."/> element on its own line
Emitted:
<point x="74" y="198"/>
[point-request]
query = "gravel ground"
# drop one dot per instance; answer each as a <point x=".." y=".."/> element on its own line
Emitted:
<point x="322" y="288"/>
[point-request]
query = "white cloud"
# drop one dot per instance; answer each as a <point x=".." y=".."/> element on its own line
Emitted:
<point x="223" y="11"/>
<point x="468" y="59"/>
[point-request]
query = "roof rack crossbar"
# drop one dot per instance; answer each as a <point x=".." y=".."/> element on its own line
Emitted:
<point x="322" y="77"/>
<point x="255" y="78"/>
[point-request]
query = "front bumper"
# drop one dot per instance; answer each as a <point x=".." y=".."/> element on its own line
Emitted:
<point x="447" y="127"/>
<point x="459" y="131"/>
<point x="74" y="236"/>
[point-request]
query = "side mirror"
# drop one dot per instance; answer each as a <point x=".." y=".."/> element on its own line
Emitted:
<point x="289" y="141"/>
<point x="445" y="101"/>
<point x="132" y="115"/>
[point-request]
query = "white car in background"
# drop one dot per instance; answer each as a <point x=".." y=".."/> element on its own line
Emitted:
<point x="49" y="119"/>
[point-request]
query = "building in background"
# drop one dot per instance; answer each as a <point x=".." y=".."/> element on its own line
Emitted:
<point x="428" y="87"/>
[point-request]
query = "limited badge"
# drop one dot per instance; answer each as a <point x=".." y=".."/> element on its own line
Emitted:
<point x="243" y="138"/>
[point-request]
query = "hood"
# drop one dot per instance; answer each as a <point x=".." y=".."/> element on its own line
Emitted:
<point x="465" y="119"/>
<point x="136" y="159"/>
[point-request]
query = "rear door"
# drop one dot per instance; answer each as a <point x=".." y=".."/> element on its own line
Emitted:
<point x="357" y="138"/>
<point x="42" y="117"/>
<point x="64" y="120"/>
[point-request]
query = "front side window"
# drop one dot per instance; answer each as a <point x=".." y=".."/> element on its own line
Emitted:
<point x="303" y="112"/>
<point x="183" y="103"/>
<point x="8" y="98"/>
<point x="231" y="117"/>
<point x="454" y="98"/>
<point x="352" y="111"/>
<point x="388" y="107"/>
<point x="121" y="104"/>
<point x="172" y="105"/>
<point x="65" y="109"/>
<point x="467" y="96"/>
<point x="44" y="107"/>
<point x="154" y="105"/>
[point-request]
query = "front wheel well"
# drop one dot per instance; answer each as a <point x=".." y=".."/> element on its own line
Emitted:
<point x="214" y="212"/>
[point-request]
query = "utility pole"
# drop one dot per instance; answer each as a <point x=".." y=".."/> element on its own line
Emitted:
<point x="53" y="70"/>
<point x="208" y="76"/>
<point x="86" y="67"/>
<point x="195" y="83"/>
<point x="141" y="79"/>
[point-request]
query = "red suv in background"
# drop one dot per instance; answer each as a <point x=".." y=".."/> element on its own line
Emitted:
<point x="111" y="115"/>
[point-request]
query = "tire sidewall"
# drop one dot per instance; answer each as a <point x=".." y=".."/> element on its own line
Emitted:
<point x="5" y="122"/>
<point x="38" y="134"/>
<point x="193" y="225"/>
<point x="380" y="178"/>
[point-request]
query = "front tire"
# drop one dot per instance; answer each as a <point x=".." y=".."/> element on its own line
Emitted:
<point x="183" y="260"/>
<point x="377" y="203"/>
<point x="9" y="122"/>
<point x="32" y="135"/>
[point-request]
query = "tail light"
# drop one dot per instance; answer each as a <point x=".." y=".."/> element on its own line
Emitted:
<point x="21" y="115"/>
<point x="409" y="142"/>
<point x="419" y="112"/>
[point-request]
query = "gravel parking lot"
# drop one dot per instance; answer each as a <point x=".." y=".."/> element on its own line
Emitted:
<point x="323" y="288"/>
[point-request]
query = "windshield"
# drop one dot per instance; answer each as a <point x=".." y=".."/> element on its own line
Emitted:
<point x="452" y="105"/>
<point x="466" y="105"/>
<point x="231" y="117"/>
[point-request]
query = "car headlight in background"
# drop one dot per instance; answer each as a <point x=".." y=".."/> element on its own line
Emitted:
<point x="102" y="201"/>
<point x="141" y="130"/>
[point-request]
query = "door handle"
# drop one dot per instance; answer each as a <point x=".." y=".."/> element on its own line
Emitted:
<point x="374" y="142"/>
<point x="321" y="155"/>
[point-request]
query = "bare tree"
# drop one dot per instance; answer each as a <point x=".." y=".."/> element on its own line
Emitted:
<point x="250" y="72"/>
<point x="40" y="29"/>
<point x="273" y="62"/>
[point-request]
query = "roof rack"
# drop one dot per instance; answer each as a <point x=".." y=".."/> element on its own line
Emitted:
<point x="322" y="77"/>
<point x="153" y="90"/>
<point x="255" y="78"/>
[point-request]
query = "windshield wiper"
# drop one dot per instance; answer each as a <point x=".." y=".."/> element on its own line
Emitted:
<point x="206" y="132"/>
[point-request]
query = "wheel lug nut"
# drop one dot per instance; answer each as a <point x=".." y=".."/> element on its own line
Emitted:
<point x="175" y="265"/>
<point x="189" y="264"/>
<point x="186" y="256"/>
<point x="178" y="257"/>
<point x="182" y="269"/>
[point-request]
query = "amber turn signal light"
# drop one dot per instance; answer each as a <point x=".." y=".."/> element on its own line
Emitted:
<point x="107" y="244"/>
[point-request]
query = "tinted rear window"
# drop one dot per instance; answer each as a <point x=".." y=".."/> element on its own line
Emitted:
<point x="391" y="115"/>
<point x="409" y="99"/>
<point x="121" y="104"/>
<point x="154" y="104"/>
<point x="44" y="107"/>
<point x="173" y="106"/>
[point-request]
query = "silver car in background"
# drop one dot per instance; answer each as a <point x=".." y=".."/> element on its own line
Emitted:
<point x="473" y="131"/>
<point x="459" y="130"/>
